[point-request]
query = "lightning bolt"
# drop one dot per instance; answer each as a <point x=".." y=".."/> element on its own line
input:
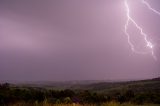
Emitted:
<point x="148" y="43"/>
<point x="148" y="5"/>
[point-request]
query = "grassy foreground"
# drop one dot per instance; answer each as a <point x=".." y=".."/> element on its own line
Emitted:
<point x="73" y="104"/>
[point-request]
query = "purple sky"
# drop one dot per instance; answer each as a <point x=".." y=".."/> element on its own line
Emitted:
<point x="75" y="40"/>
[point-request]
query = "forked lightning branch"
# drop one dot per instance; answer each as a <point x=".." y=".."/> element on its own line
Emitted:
<point x="148" y="43"/>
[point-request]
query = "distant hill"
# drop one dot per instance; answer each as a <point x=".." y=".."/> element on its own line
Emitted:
<point x="137" y="86"/>
<point x="98" y="86"/>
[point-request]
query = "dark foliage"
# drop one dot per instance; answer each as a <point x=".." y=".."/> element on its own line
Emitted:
<point x="10" y="94"/>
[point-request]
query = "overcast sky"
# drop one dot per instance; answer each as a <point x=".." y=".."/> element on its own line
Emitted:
<point x="76" y="40"/>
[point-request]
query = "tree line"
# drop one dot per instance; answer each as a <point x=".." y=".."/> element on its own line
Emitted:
<point x="10" y="95"/>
